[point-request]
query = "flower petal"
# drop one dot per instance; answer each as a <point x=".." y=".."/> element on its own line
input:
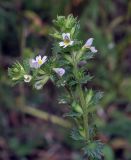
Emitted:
<point x="32" y="63"/>
<point x="59" y="71"/>
<point x="44" y="59"/>
<point x="93" y="49"/>
<point x="89" y="42"/>
<point x="71" y="43"/>
<point x="38" y="85"/>
<point x="68" y="35"/>
<point x="65" y="45"/>
<point x="38" y="58"/>
<point x="63" y="35"/>
<point x="61" y="44"/>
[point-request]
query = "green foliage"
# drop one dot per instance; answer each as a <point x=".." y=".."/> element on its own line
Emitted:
<point x="94" y="150"/>
<point x="108" y="153"/>
<point x="119" y="127"/>
<point x="20" y="149"/>
<point x="101" y="20"/>
<point x="76" y="135"/>
<point x="65" y="69"/>
<point x="16" y="73"/>
<point x="69" y="24"/>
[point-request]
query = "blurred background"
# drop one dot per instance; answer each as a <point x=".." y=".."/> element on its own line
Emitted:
<point x="30" y="123"/>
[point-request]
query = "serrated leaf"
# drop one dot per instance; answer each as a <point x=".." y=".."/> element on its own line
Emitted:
<point x="56" y="49"/>
<point x="73" y="82"/>
<point x="76" y="135"/>
<point x="69" y="58"/>
<point x="86" y="78"/>
<point x="16" y="72"/>
<point x="89" y="96"/>
<point x="76" y="107"/>
<point x="98" y="95"/>
<point x="93" y="150"/>
<point x="88" y="55"/>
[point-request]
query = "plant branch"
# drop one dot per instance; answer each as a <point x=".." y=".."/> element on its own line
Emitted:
<point x="46" y="116"/>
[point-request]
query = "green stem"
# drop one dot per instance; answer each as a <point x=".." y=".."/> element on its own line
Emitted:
<point x="85" y="114"/>
<point x="82" y="101"/>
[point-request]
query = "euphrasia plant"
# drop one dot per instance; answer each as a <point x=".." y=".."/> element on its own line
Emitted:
<point x="67" y="68"/>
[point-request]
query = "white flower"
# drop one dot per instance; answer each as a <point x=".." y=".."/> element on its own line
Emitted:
<point x="37" y="62"/>
<point x="27" y="78"/>
<point x="62" y="101"/>
<point x="66" y="40"/>
<point x="88" y="44"/>
<point x="93" y="49"/>
<point x="38" y="85"/>
<point x="59" y="71"/>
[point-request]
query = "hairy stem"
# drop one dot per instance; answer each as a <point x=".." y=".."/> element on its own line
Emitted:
<point x="82" y="102"/>
<point x="85" y="114"/>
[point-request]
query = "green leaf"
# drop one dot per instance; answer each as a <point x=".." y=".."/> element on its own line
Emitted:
<point x="89" y="96"/>
<point x="41" y="81"/>
<point x="76" y="135"/>
<point x="56" y="48"/>
<point x="97" y="96"/>
<point x="76" y="107"/>
<point x="86" y="78"/>
<point x="69" y="58"/>
<point x="88" y="55"/>
<point x="16" y="73"/>
<point x="108" y="153"/>
<point x="93" y="150"/>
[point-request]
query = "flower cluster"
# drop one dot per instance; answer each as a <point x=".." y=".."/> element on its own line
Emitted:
<point x="19" y="73"/>
<point x="68" y="42"/>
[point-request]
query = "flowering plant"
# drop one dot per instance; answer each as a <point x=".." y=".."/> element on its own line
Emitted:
<point x="65" y="69"/>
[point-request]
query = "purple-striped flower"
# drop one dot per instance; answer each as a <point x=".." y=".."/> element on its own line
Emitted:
<point x="37" y="62"/>
<point x="88" y="45"/>
<point x="66" y="40"/>
<point x="59" y="71"/>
